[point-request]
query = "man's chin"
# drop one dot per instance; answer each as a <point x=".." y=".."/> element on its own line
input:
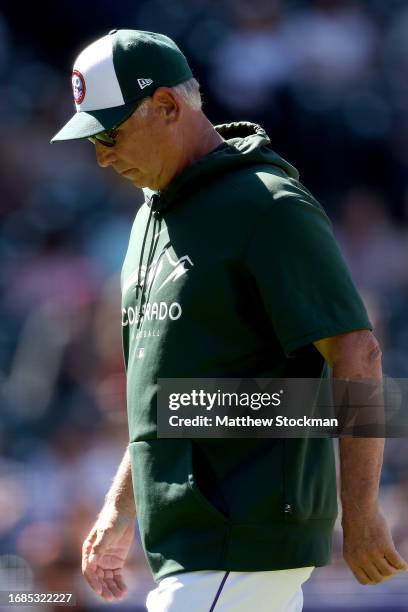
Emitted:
<point x="133" y="176"/>
<point x="138" y="182"/>
<point x="137" y="178"/>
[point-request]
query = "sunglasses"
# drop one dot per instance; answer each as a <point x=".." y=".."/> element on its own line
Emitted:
<point x="108" y="138"/>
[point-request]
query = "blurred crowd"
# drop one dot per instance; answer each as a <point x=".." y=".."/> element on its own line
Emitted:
<point x="328" y="79"/>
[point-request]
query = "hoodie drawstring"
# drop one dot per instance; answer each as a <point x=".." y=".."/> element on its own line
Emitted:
<point x="152" y="249"/>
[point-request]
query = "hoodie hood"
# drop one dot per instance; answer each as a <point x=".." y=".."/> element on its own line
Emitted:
<point x="245" y="144"/>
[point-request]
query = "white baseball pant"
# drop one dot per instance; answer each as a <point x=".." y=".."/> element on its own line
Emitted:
<point x="220" y="591"/>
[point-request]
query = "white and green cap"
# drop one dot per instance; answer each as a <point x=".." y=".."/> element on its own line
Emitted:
<point x="113" y="74"/>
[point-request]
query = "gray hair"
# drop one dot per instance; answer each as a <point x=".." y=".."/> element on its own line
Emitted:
<point x="189" y="91"/>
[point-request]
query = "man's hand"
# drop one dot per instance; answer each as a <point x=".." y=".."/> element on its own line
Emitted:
<point x="368" y="548"/>
<point x="104" y="553"/>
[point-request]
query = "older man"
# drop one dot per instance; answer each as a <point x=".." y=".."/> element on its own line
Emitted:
<point x="231" y="271"/>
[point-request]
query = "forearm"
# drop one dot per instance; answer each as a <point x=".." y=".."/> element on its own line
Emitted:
<point x="120" y="494"/>
<point x="360" y="470"/>
<point x="361" y="458"/>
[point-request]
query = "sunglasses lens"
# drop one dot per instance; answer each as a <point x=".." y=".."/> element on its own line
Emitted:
<point x="103" y="138"/>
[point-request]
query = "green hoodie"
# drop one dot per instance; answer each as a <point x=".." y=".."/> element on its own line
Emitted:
<point x="243" y="274"/>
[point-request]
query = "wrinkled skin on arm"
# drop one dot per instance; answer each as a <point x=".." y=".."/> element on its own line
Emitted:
<point x="368" y="548"/>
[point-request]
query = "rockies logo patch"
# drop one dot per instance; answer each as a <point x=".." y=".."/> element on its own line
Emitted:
<point x="78" y="86"/>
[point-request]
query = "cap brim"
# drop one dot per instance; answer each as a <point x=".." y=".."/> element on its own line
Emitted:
<point x="89" y="123"/>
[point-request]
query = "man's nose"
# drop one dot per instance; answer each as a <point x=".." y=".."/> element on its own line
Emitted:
<point x="105" y="156"/>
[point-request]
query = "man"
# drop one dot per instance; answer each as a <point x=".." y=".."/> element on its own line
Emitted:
<point x="231" y="271"/>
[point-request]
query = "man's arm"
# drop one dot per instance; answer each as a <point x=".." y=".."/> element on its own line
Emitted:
<point x="368" y="547"/>
<point x="105" y="550"/>
<point x="120" y="495"/>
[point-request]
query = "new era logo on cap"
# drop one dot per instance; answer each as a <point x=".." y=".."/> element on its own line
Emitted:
<point x="144" y="83"/>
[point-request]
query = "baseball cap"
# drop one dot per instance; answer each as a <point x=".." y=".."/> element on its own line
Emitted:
<point x="114" y="73"/>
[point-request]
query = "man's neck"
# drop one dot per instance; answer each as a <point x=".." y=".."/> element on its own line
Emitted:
<point x="206" y="139"/>
<point x="198" y="138"/>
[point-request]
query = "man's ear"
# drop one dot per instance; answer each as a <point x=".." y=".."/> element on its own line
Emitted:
<point x="165" y="102"/>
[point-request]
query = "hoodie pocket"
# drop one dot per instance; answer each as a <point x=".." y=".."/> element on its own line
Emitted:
<point x="203" y="501"/>
<point x="241" y="478"/>
<point x="168" y="499"/>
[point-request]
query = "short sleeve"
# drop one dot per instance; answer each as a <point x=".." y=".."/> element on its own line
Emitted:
<point x="300" y="273"/>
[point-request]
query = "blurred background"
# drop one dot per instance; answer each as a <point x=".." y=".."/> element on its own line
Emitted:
<point x="328" y="79"/>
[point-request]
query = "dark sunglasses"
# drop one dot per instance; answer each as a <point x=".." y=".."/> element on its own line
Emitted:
<point x="108" y="138"/>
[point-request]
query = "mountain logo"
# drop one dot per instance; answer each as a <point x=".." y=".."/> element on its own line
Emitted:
<point x="180" y="267"/>
<point x="163" y="271"/>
